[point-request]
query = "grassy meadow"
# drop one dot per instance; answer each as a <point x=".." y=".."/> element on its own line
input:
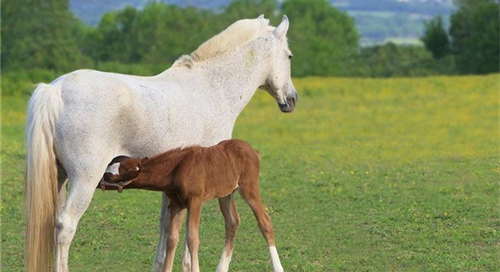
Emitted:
<point x="365" y="175"/>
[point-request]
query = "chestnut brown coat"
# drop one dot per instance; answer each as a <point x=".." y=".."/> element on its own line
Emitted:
<point x="189" y="176"/>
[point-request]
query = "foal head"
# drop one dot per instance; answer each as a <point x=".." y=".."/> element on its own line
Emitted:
<point x="128" y="169"/>
<point x="279" y="82"/>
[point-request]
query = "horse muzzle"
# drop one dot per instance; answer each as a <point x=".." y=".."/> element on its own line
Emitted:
<point x="289" y="106"/>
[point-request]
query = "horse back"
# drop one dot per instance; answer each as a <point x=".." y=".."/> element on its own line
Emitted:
<point x="129" y="113"/>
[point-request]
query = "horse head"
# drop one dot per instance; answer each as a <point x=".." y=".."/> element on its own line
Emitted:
<point x="129" y="168"/>
<point x="279" y="82"/>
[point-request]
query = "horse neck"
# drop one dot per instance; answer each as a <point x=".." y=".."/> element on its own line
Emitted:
<point x="161" y="166"/>
<point x="237" y="74"/>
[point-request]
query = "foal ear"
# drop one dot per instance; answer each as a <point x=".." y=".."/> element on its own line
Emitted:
<point x="111" y="177"/>
<point x="261" y="16"/>
<point x="107" y="176"/>
<point x="281" y="30"/>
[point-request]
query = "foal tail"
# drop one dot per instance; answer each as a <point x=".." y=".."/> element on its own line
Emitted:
<point x="40" y="180"/>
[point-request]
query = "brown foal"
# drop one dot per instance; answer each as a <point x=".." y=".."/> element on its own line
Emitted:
<point x="192" y="175"/>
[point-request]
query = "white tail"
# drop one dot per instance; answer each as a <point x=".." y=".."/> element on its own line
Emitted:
<point x="40" y="182"/>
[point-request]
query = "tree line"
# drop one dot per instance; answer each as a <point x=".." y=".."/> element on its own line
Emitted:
<point x="472" y="40"/>
<point x="325" y="42"/>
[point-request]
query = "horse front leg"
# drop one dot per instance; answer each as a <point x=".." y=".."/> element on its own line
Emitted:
<point x="232" y="220"/>
<point x="193" y="241"/>
<point x="159" y="260"/>
<point x="175" y="224"/>
<point x="186" y="260"/>
<point x="162" y="243"/>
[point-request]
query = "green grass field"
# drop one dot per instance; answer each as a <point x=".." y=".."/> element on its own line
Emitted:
<point x="365" y="175"/>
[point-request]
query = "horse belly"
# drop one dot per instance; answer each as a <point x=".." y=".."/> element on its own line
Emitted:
<point x="160" y="126"/>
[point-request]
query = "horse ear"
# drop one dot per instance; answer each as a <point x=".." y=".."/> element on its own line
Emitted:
<point x="261" y="16"/>
<point x="281" y="30"/>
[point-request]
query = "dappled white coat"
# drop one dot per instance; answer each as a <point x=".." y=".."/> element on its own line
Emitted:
<point x="89" y="117"/>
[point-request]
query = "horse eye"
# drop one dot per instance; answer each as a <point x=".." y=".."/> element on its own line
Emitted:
<point x="290" y="56"/>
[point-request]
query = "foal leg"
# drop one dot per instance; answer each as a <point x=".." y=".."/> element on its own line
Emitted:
<point x="174" y="230"/>
<point x="232" y="219"/>
<point x="160" y="253"/>
<point x="249" y="190"/>
<point x="193" y="242"/>
<point x="186" y="260"/>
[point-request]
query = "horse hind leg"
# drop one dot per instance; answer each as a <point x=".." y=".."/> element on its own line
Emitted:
<point x="232" y="221"/>
<point x="82" y="187"/>
<point x="62" y="181"/>
<point x="249" y="190"/>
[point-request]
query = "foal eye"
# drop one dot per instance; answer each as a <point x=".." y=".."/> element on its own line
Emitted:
<point x="290" y="56"/>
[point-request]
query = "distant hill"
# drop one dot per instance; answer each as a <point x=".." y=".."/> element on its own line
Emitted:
<point x="399" y="21"/>
<point x="91" y="11"/>
<point x="378" y="21"/>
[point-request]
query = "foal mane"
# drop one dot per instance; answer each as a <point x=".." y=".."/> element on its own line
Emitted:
<point x="169" y="159"/>
<point x="236" y="34"/>
<point x="220" y="154"/>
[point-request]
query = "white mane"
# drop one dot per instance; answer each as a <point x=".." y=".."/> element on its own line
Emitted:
<point x="236" y="34"/>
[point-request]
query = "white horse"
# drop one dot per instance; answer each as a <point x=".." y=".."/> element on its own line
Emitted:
<point x="77" y="124"/>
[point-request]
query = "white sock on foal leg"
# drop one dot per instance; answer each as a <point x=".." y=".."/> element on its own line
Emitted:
<point x="186" y="259"/>
<point x="275" y="259"/>
<point x="225" y="259"/>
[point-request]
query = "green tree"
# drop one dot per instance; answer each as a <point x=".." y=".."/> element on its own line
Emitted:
<point x="38" y="34"/>
<point x="176" y="31"/>
<point x="391" y="60"/>
<point x="435" y="38"/>
<point x="116" y="37"/>
<point x="475" y="33"/>
<point x="323" y="39"/>
<point x="158" y="34"/>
